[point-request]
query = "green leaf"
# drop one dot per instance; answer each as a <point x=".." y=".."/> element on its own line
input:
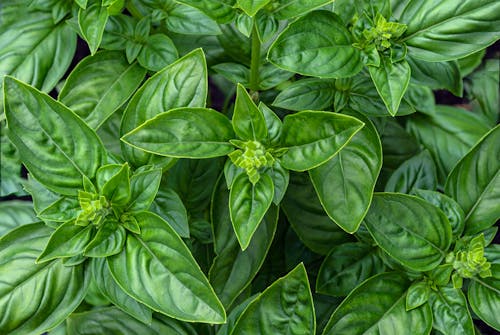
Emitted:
<point x="190" y="21"/>
<point x="99" y="85"/>
<point x="68" y="240"/>
<point x="234" y="315"/>
<point x="62" y="210"/>
<point x="234" y="72"/>
<point x="450" y="208"/>
<point x="184" y="133"/>
<point x="345" y="183"/>
<point x="475" y="183"/>
<point x="391" y="81"/>
<point x="285" y="307"/>
<point x="169" y="206"/>
<point x="15" y="213"/>
<point x="418" y="172"/>
<point x="157" y="52"/>
<point x="469" y="63"/>
<point x="315" y="94"/>
<point x="251" y="7"/>
<point x="271" y="76"/>
<point x="248" y="203"/>
<point x="112" y="321"/>
<point x="108" y="241"/>
<point x="450" y="313"/>
<point x="248" y="121"/>
<point x="280" y="178"/>
<point x="35" y="297"/>
<point x="232" y="269"/>
<point x="167" y="266"/>
<point x="409" y="229"/>
<point x="117" y="188"/>
<point x="385" y="294"/>
<point x="181" y="84"/>
<point x="288" y="9"/>
<point x="317" y="44"/>
<point x="313" y="137"/>
<point x="437" y="75"/>
<point x="417" y="295"/>
<point x="308" y="218"/>
<point x="273" y="124"/>
<point x="110" y="289"/>
<point x="484" y="297"/>
<point x="220" y="10"/>
<point x="484" y="84"/>
<point x="34" y="49"/>
<point x="144" y="186"/>
<point x="448" y="135"/>
<point x="446" y="30"/>
<point x="55" y="145"/>
<point x="92" y="22"/>
<point x="347" y="266"/>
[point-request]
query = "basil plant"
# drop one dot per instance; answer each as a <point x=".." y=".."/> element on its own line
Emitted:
<point x="234" y="167"/>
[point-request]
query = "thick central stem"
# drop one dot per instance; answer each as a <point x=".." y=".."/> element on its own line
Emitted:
<point x="255" y="62"/>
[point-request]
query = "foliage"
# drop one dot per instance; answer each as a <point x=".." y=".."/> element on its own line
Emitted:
<point x="230" y="167"/>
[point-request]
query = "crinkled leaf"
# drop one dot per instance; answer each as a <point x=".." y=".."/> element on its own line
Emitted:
<point x="220" y="10"/>
<point x="417" y="295"/>
<point x="317" y="44"/>
<point x="167" y="266"/>
<point x="409" y="229"/>
<point x="285" y="307"/>
<point x="189" y="20"/>
<point x="450" y="312"/>
<point x="55" y="145"/>
<point x="312" y="138"/>
<point x="315" y="94"/>
<point x="345" y="183"/>
<point x="15" y="213"/>
<point x="157" y="52"/>
<point x="108" y="241"/>
<point x="475" y="183"/>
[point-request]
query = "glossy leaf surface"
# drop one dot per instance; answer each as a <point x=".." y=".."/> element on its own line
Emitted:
<point x="56" y="146"/>
<point x="345" y="183"/>
<point x="450" y="313"/>
<point x="411" y="230"/>
<point x="484" y="297"/>
<point x="168" y="267"/>
<point x="312" y="138"/>
<point x="248" y="120"/>
<point x="15" y="213"/>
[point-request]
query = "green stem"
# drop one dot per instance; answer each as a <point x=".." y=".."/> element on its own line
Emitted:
<point x="255" y="62"/>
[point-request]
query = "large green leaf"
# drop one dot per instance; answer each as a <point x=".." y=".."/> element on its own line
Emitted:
<point x="484" y="90"/>
<point x="317" y="44"/>
<point x="169" y="206"/>
<point x="285" y="307"/>
<point x="248" y="203"/>
<point x="391" y="81"/>
<point x="157" y="52"/>
<point x="181" y="84"/>
<point x="450" y="313"/>
<point x="220" y="10"/>
<point x="475" y="183"/>
<point x="251" y="7"/>
<point x="233" y="269"/>
<point x="288" y="9"/>
<point x="418" y="172"/>
<point x="170" y="280"/>
<point x="345" y="183"/>
<point x="411" y="230"/>
<point x="110" y="289"/>
<point x="446" y="30"/>
<point x="484" y="297"/>
<point x="378" y="307"/>
<point x="99" y="85"/>
<point x="347" y="266"/>
<point x="184" y="133"/>
<point x="55" y="145"/>
<point x="448" y="135"/>
<point x="35" y="297"/>
<point x="308" y="218"/>
<point x="312" y="138"/>
<point x="248" y="120"/>
<point x="305" y="94"/>
<point x="10" y="169"/>
<point x="112" y="321"/>
<point x="34" y="49"/>
<point x="15" y="213"/>
<point x="190" y="21"/>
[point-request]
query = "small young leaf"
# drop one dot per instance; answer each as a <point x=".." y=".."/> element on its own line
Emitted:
<point x="251" y="7"/>
<point x="144" y="186"/>
<point x="248" y="203"/>
<point x="117" y="188"/>
<point x="313" y="137"/>
<point x="157" y="52"/>
<point x="248" y="120"/>
<point x="417" y="295"/>
<point x="108" y="241"/>
<point x="92" y="21"/>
